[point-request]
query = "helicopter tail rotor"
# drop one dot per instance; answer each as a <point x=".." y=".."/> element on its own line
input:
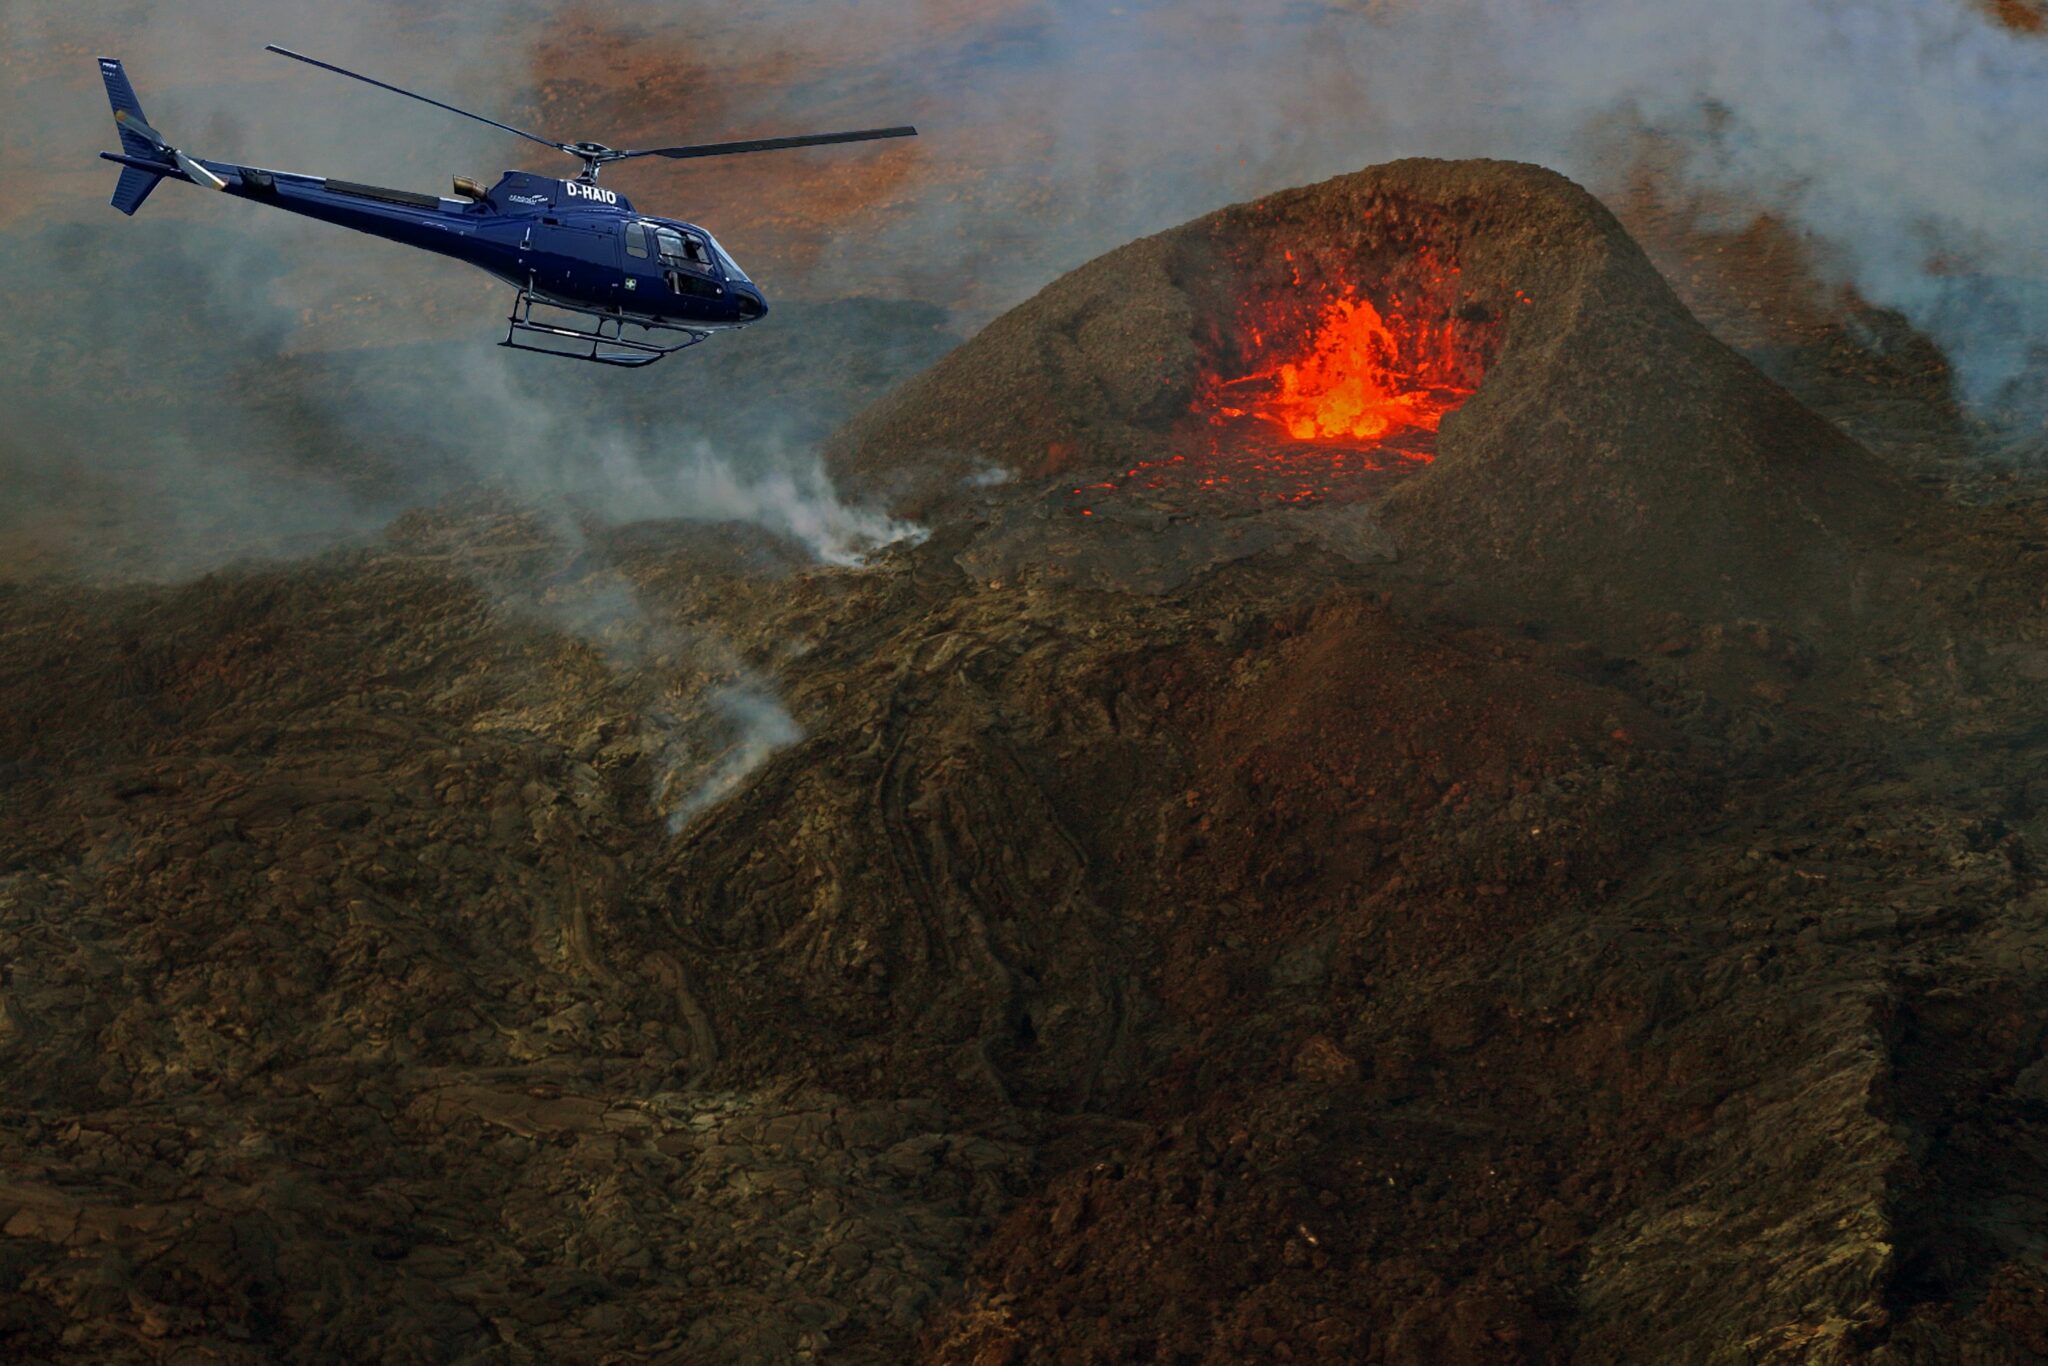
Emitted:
<point x="144" y="143"/>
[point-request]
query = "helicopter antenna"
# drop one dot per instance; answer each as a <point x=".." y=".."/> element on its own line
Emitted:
<point x="595" y="155"/>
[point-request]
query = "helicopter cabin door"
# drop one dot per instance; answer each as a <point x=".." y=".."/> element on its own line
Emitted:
<point x="642" y="281"/>
<point x="579" y="262"/>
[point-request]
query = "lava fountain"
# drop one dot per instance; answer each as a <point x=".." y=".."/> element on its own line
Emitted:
<point x="1333" y="372"/>
<point x="1328" y="363"/>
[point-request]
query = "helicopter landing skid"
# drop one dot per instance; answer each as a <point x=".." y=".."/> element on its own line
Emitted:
<point x="590" y="334"/>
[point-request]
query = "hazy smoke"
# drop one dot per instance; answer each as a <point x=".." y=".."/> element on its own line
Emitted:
<point x="1890" y="129"/>
<point x="213" y="381"/>
<point x="1897" y="132"/>
<point x="604" y="463"/>
<point x="189" y="378"/>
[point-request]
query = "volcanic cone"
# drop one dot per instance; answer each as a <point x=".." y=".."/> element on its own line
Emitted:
<point x="1577" y="438"/>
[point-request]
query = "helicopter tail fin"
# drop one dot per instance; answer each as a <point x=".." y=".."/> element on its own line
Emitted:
<point x="135" y="183"/>
<point x="132" y="188"/>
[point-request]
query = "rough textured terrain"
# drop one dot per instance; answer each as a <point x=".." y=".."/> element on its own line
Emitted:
<point x="1578" y="903"/>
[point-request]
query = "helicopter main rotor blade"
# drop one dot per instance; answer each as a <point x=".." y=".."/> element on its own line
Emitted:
<point x="726" y="149"/>
<point x="399" y="90"/>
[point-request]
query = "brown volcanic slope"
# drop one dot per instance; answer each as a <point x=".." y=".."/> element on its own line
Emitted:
<point x="1203" y="931"/>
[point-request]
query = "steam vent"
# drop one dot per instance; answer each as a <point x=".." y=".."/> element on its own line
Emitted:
<point x="1477" y="350"/>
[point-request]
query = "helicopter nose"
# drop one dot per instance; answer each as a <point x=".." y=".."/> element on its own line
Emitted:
<point x="750" y="303"/>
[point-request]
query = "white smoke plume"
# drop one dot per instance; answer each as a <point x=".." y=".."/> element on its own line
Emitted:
<point x="714" y="719"/>
<point x="758" y="727"/>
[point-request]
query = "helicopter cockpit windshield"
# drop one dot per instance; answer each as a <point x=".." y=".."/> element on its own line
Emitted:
<point x="732" y="267"/>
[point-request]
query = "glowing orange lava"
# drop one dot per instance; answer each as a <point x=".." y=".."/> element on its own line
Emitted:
<point x="1328" y="382"/>
<point x="1363" y="376"/>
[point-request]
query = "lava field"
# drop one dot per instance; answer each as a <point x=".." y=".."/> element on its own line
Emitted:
<point x="1412" y="805"/>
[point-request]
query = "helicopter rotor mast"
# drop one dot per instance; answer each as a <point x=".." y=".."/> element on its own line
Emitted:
<point x="595" y="155"/>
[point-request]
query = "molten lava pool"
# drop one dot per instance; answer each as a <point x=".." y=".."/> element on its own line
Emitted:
<point x="1323" y="389"/>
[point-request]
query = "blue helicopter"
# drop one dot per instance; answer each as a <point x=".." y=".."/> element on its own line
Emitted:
<point x="615" y="286"/>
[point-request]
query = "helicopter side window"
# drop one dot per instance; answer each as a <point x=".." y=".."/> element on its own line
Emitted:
<point x="636" y="239"/>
